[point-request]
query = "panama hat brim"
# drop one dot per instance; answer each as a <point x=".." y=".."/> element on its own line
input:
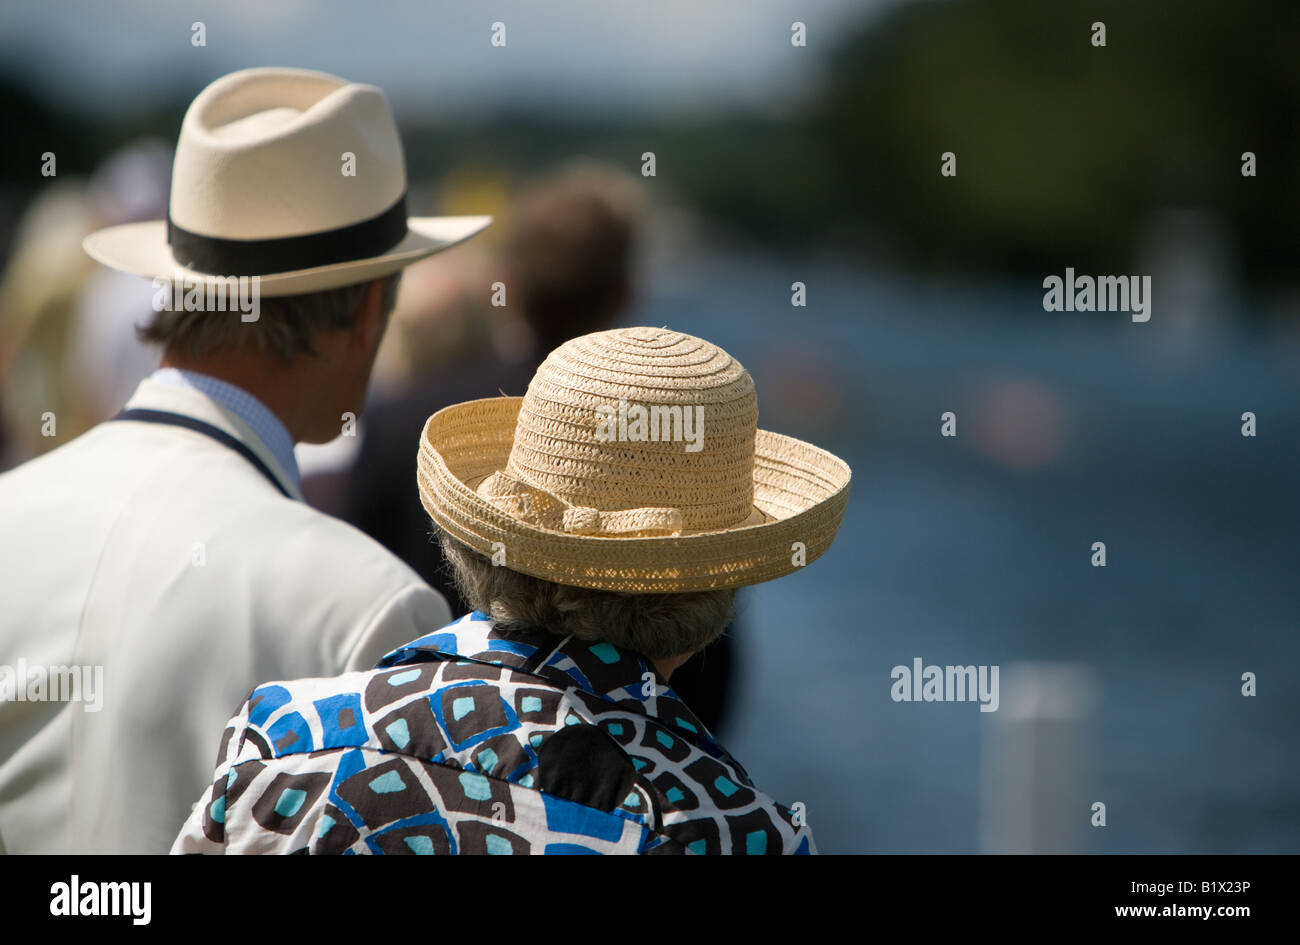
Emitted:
<point x="800" y="493"/>
<point x="142" y="249"/>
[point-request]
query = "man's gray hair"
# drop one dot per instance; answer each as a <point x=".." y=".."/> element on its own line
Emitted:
<point x="657" y="626"/>
<point x="287" y="325"/>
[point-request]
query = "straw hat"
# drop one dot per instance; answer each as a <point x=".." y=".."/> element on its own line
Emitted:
<point x="259" y="189"/>
<point x="633" y="463"/>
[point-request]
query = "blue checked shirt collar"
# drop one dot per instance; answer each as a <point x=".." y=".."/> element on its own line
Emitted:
<point x="244" y="405"/>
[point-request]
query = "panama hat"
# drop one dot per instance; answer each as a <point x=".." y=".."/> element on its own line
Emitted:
<point x="633" y="463"/>
<point x="260" y="188"/>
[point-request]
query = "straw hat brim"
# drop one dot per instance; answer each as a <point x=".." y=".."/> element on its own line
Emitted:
<point x="800" y="493"/>
<point x="142" y="248"/>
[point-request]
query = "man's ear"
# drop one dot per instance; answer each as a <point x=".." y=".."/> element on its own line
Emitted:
<point x="371" y="319"/>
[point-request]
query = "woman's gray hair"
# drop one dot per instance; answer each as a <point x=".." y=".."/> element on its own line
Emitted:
<point x="657" y="626"/>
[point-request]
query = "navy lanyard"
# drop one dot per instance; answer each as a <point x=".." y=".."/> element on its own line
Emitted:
<point x="207" y="429"/>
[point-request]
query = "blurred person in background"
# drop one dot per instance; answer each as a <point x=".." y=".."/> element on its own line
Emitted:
<point x="163" y="562"/>
<point x="439" y="323"/>
<point x="67" y="345"/>
<point x="437" y="327"/>
<point x="105" y="360"/>
<point x="567" y="267"/>
<point x="38" y="293"/>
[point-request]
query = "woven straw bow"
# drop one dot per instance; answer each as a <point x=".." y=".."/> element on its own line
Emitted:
<point x="512" y="494"/>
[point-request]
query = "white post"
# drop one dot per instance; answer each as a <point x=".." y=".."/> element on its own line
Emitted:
<point x="1034" y="761"/>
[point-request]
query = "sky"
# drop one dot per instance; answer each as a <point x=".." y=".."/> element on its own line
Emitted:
<point x="436" y="56"/>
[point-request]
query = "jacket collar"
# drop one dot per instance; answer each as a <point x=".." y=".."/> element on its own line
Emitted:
<point x="156" y="395"/>
<point x="601" y="669"/>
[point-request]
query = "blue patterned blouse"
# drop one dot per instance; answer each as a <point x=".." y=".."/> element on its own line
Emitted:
<point x="471" y="741"/>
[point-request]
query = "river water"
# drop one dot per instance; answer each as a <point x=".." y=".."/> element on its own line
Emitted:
<point x="977" y="549"/>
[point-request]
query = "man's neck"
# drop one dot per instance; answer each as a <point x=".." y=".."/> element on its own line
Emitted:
<point x="279" y="392"/>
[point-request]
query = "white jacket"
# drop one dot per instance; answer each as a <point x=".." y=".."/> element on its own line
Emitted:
<point x="167" y="559"/>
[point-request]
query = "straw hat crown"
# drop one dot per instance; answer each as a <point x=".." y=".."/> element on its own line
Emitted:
<point x="286" y="131"/>
<point x="636" y="431"/>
